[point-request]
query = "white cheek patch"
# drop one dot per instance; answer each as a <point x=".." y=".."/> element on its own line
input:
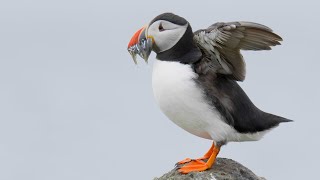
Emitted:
<point x="166" y="39"/>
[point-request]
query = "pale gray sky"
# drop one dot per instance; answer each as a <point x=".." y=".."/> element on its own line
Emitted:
<point x="74" y="106"/>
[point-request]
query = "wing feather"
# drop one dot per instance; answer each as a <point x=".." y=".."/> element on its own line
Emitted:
<point x="222" y="42"/>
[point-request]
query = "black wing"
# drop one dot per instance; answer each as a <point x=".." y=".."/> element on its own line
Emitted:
<point x="235" y="106"/>
<point x="221" y="43"/>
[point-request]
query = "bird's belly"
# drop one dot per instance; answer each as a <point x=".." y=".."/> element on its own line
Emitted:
<point x="183" y="102"/>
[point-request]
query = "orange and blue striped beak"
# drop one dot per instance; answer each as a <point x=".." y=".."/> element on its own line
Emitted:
<point x="140" y="44"/>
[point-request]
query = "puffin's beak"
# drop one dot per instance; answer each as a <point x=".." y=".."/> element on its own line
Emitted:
<point x="141" y="45"/>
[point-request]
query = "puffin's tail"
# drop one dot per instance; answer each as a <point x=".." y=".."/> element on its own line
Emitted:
<point x="276" y="120"/>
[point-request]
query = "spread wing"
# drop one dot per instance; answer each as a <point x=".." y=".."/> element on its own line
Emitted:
<point x="221" y="43"/>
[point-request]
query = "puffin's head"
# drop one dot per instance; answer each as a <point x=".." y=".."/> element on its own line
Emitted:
<point x="168" y="35"/>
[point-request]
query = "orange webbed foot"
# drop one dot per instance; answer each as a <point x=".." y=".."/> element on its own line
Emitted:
<point x="194" y="166"/>
<point x="206" y="156"/>
<point x="186" y="160"/>
<point x="198" y="165"/>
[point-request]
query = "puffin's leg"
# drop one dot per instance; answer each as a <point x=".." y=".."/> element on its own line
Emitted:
<point x="206" y="156"/>
<point x="199" y="165"/>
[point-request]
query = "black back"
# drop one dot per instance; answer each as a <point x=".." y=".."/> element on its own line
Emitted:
<point x="235" y="106"/>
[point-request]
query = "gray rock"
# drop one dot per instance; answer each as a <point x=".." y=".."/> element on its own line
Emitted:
<point x="223" y="169"/>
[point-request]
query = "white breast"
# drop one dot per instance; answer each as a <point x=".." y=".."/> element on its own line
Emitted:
<point x="183" y="102"/>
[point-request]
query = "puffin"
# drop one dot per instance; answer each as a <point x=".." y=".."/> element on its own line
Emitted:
<point x="194" y="80"/>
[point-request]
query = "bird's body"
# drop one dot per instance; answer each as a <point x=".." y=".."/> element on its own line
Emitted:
<point x="182" y="98"/>
<point x="194" y="79"/>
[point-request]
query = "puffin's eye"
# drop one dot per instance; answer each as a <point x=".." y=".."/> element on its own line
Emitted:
<point x="161" y="27"/>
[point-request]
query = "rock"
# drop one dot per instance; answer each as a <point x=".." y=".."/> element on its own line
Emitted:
<point x="223" y="169"/>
